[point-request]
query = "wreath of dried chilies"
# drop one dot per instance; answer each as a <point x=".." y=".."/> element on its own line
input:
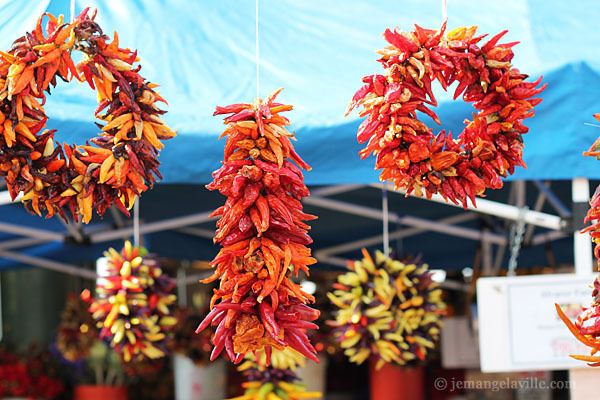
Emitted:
<point x="407" y="152"/>
<point x="81" y="178"/>
<point x="587" y="326"/>
<point x="263" y="236"/>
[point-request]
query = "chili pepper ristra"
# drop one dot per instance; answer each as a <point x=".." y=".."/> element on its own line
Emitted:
<point x="408" y="153"/>
<point x="263" y="236"/>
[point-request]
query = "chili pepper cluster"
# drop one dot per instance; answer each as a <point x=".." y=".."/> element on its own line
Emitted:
<point x="408" y="153"/>
<point x="123" y="160"/>
<point x="263" y="236"/>
<point x="587" y="326"/>
<point x="275" y="381"/>
<point x="77" y="330"/>
<point x="388" y="309"/>
<point x="133" y="304"/>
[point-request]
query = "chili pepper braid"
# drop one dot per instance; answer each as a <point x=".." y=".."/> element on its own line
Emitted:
<point x="122" y="161"/>
<point x="408" y="153"/>
<point x="263" y="235"/>
<point x="133" y="307"/>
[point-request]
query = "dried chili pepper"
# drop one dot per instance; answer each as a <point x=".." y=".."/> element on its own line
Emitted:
<point x="408" y="153"/>
<point x="262" y="234"/>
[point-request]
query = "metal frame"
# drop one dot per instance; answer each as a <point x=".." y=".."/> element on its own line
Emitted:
<point x="554" y="224"/>
<point x="534" y="218"/>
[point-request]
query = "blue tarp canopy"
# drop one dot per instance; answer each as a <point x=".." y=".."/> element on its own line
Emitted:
<point x="203" y="55"/>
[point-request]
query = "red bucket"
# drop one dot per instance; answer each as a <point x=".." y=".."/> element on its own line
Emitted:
<point x="100" y="392"/>
<point x="395" y="383"/>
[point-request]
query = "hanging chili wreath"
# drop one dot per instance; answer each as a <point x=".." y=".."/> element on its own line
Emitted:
<point x="408" y="153"/>
<point x="587" y="325"/>
<point x="123" y="160"/>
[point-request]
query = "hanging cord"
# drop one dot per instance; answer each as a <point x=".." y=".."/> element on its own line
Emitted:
<point x="517" y="231"/>
<point x="257" y="57"/>
<point x="136" y="222"/>
<point x="72" y="10"/>
<point x="386" y="218"/>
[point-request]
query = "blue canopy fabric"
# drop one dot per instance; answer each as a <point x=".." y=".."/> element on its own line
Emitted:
<point x="202" y="53"/>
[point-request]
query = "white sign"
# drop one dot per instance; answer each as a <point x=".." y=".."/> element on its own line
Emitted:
<point x="519" y="329"/>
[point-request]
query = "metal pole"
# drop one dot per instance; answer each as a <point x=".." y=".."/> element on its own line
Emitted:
<point x="385" y="220"/>
<point x="377" y="214"/>
<point x="582" y="244"/>
<point x="136" y="222"/>
<point x="48" y="264"/>
<point x="502" y="210"/>
<point x="171" y="223"/>
<point x="5" y="198"/>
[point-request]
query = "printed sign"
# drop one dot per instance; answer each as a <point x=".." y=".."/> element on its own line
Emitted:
<point x="519" y="329"/>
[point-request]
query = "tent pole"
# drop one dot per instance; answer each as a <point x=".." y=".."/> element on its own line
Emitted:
<point x="562" y="210"/>
<point x="76" y="233"/>
<point x="335" y="189"/>
<point x="377" y="239"/>
<point x="5" y="198"/>
<point x="31" y="232"/>
<point x="136" y="222"/>
<point x="205" y="233"/>
<point x="49" y="264"/>
<point x="385" y="220"/>
<point x="167" y="224"/>
<point x="21" y="242"/>
<point x="377" y="214"/>
<point x="582" y="244"/>
<point x="501" y="210"/>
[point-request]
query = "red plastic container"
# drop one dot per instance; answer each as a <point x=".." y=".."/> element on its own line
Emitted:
<point x="100" y="392"/>
<point x="395" y="383"/>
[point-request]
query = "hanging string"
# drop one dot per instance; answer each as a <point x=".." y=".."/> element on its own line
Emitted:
<point x="72" y="10"/>
<point x="444" y="11"/>
<point x="136" y="222"/>
<point x="257" y="57"/>
<point x="386" y="228"/>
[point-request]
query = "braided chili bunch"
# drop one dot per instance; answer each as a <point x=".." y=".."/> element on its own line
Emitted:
<point x="263" y="236"/>
<point x="134" y="304"/>
<point x="407" y="152"/>
<point x="587" y="326"/>
<point x="123" y="160"/>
